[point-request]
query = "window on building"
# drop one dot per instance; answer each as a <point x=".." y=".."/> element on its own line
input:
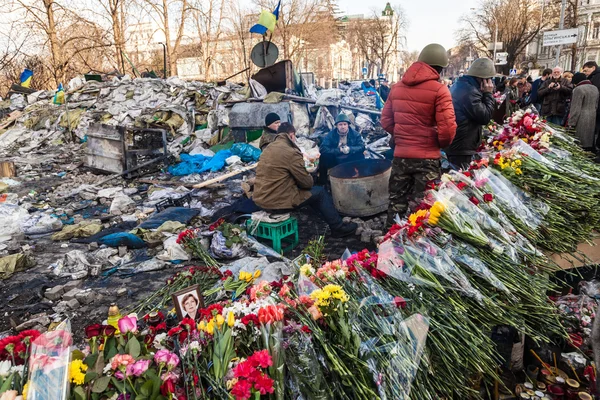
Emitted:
<point x="596" y="30"/>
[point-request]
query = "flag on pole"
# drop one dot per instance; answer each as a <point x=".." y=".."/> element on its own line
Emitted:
<point x="25" y="78"/>
<point x="59" y="97"/>
<point x="266" y="21"/>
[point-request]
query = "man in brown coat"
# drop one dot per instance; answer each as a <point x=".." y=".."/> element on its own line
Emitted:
<point x="282" y="183"/>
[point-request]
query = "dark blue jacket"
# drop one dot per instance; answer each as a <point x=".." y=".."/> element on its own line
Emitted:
<point x="330" y="144"/>
<point x="473" y="109"/>
<point x="533" y="99"/>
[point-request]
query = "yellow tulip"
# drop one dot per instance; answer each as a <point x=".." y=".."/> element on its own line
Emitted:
<point x="202" y="326"/>
<point x="210" y="327"/>
<point x="230" y="319"/>
<point x="257" y="274"/>
<point x="220" y="320"/>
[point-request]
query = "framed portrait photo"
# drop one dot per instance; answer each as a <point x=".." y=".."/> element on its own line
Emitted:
<point x="187" y="302"/>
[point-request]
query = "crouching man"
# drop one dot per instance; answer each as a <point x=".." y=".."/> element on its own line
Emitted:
<point x="283" y="184"/>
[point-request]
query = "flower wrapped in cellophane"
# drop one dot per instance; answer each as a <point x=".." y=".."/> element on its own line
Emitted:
<point x="49" y="364"/>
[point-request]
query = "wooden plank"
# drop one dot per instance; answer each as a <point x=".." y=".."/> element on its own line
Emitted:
<point x="591" y="251"/>
<point x="225" y="176"/>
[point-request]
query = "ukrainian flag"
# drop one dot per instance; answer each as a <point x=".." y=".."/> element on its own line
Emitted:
<point x="59" y="97"/>
<point x="266" y="21"/>
<point x="25" y="78"/>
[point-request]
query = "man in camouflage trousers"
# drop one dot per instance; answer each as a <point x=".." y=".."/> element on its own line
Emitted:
<point x="420" y="116"/>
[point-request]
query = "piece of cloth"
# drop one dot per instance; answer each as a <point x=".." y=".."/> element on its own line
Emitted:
<point x="82" y="229"/>
<point x="408" y="181"/>
<point x="331" y="143"/>
<point x="11" y="264"/>
<point x="123" y="239"/>
<point x="247" y="153"/>
<point x="171" y="227"/>
<point x="473" y="109"/>
<point x="584" y="105"/>
<point x="264" y="216"/>
<point x="178" y="214"/>
<point x="268" y="136"/>
<point x="328" y="161"/>
<point x="462" y="162"/>
<point x="282" y="181"/>
<point x="554" y="101"/>
<point x="419" y="114"/>
<point x="322" y="203"/>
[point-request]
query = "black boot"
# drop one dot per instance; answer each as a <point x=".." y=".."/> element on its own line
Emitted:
<point x="344" y="230"/>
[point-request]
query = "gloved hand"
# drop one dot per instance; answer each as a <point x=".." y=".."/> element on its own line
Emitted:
<point x="345" y="149"/>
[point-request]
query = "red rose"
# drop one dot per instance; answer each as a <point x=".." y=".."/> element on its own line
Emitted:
<point x="306" y="329"/>
<point x="488" y="197"/>
<point x="400" y="302"/>
<point x="474" y="200"/>
<point x="461" y="185"/>
<point x="167" y="388"/>
<point x="92" y="331"/>
<point x="107" y="330"/>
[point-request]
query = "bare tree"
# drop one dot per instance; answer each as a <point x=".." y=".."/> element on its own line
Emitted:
<point x="409" y="58"/>
<point x="518" y="23"/>
<point x="378" y="37"/>
<point x="208" y="19"/>
<point x="239" y="25"/>
<point x="171" y="16"/>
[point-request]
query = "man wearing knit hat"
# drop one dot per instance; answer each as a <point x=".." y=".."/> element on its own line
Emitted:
<point x="272" y="122"/>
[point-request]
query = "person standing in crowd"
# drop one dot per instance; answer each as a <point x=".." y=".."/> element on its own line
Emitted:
<point x="535" y="86"/>
<point x="342" y="144"/>
<point x="584" y="105"/>
<point x="554" y="93"/>
<point x="272" y="122"/>
<point x="384" y="90"/>
<point x="568" y="76"/>
<point x="474" y="104"/>
<point x="420" y="117"/>
<point x="512" y="97"/>
<point x="524" y="87"/>
<point x="590" y="69"/>
<point x="282" y="183"/>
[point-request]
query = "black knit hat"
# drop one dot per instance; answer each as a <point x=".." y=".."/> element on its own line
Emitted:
<point x="270" y="118"/>
<point x="578" y="78"/>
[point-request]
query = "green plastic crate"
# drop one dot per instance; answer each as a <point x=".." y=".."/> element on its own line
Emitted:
<point x="285" y="232"/>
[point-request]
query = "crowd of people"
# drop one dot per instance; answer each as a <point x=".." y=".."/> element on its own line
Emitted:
<point x="426" y="117"/>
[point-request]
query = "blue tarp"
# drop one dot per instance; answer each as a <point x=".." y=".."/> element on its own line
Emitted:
<point x="123" y="239"/>
<point x="199" y="163"/>
<point x="246" y="152"/>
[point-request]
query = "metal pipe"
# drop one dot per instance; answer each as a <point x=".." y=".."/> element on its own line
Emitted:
<point x="164" y="60"/>
<point x="561" y="26"/>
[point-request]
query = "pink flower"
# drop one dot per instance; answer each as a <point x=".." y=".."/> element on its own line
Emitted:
<point x="162" y="357"/>
<point x="169" y="376"/>
<point x="121" y="361"/>
<point x="138" y="368"/>
<point x="128" y="324"/>
<point x="173" y="361"/>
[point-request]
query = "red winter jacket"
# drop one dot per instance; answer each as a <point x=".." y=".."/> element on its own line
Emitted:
<point x="419" y="113"/>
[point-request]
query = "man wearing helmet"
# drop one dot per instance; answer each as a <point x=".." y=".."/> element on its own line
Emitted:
<point x="420" y="117"/>
<point x="474" y="105"/>
<point x="342" y="144"/>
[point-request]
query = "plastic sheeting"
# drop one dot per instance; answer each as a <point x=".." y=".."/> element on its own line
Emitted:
<point x="199" y="163"/>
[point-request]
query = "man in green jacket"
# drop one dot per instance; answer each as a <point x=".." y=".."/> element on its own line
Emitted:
<point x="282" y="183"/>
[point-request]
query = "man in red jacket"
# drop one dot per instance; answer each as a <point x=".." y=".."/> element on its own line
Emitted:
<point x="420" y="116"/>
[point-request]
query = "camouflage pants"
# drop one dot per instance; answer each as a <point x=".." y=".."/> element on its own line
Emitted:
<point x="408" y="181"/>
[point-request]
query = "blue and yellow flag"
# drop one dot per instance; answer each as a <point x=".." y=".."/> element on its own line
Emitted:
<point x="59" y="97"/>
<point x="25" y="78"/>
<point x="266" y="21"/>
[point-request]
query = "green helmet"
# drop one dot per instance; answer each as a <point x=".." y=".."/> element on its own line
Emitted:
<point x="342" y="118"/>
<point x="482" y="68"/>
<point x="435" y="55"/>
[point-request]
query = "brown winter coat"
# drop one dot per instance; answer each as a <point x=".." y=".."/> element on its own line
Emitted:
<point x="554" y="101"/>
<point x="282" y="182"/>
<point x="583" y="112"/>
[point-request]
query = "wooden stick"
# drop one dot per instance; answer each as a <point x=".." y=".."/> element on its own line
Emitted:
<point x="225" y="176"/>
<point x="555" y="365"/>
<point x="575" y="372"/>
<point x="549" y="368"/>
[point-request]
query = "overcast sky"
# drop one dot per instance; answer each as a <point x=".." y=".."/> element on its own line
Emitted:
<point x="431" y="21"/>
